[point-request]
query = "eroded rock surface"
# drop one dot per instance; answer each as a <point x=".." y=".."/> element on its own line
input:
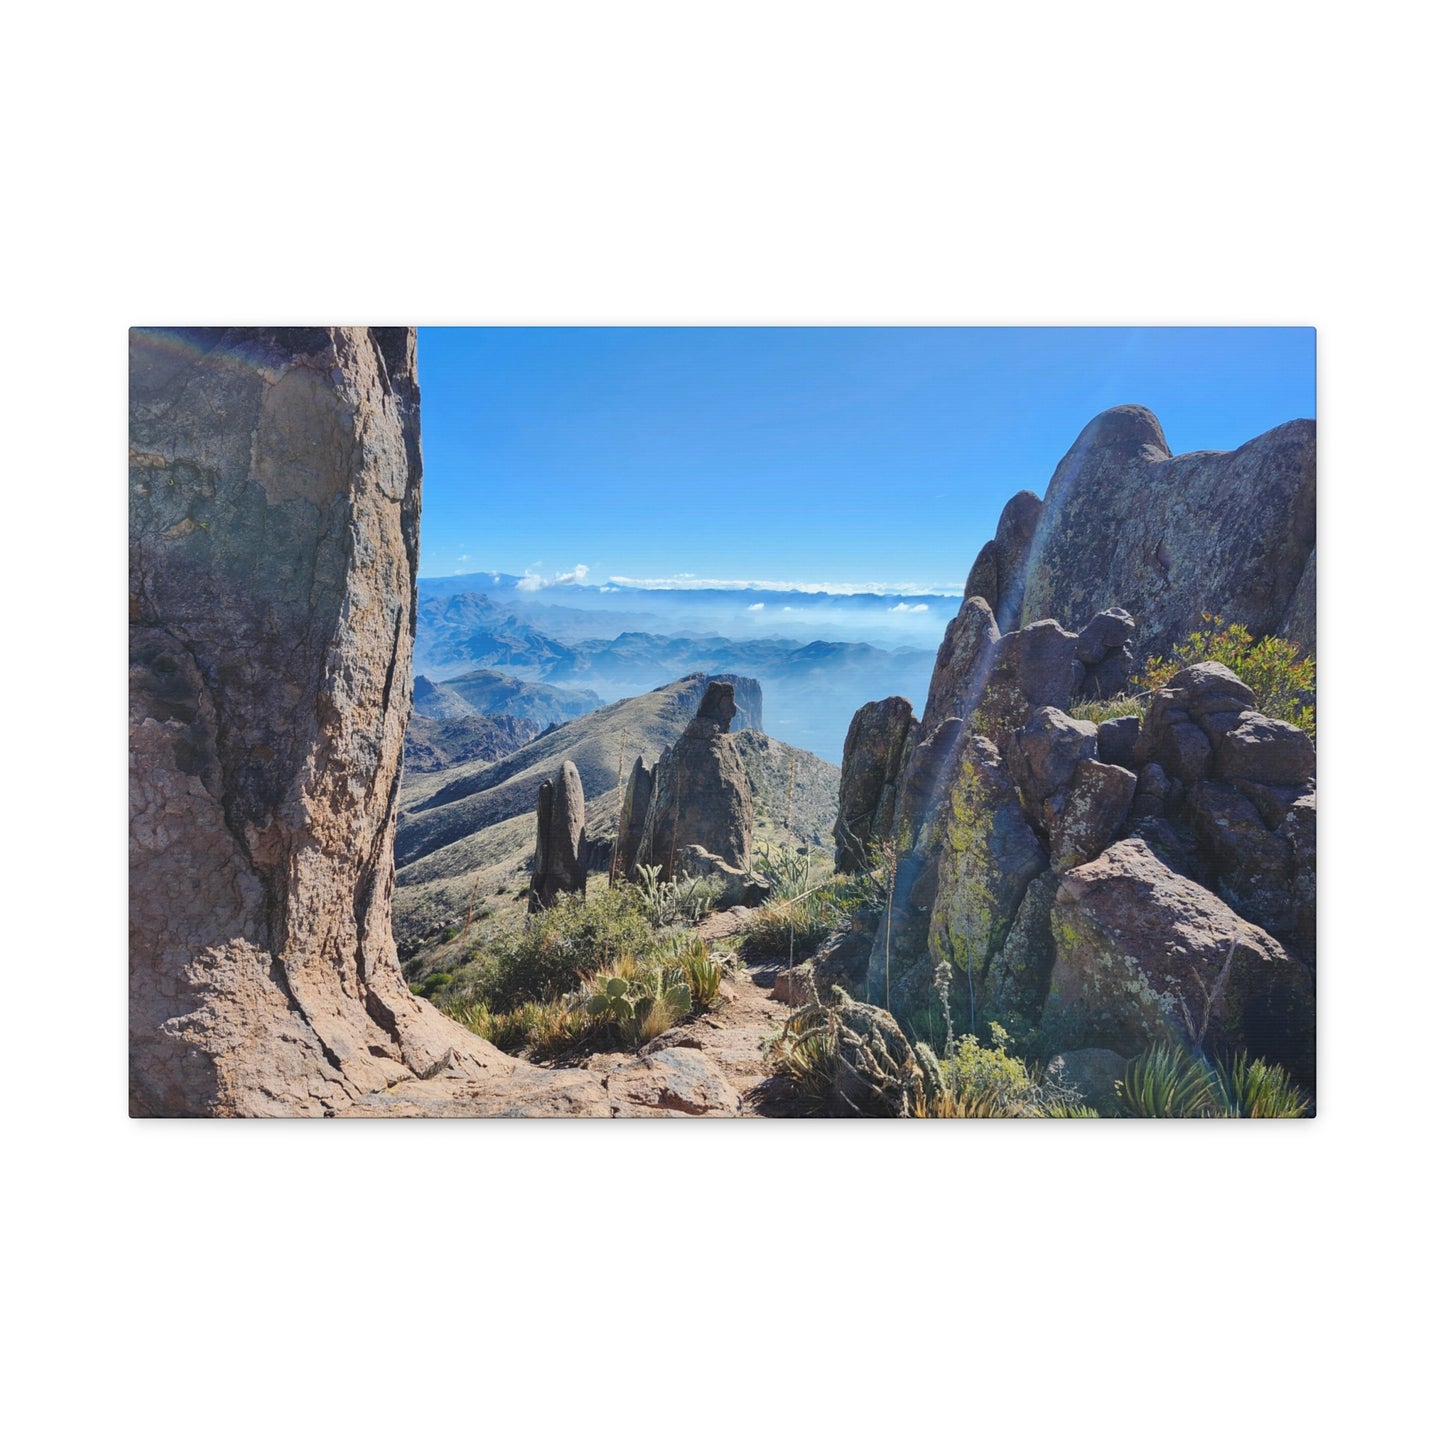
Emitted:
<point x="559" y="861"/>
<point x="275" y="489"/>
<point x="1125" y="523"/>
<point x="873" y="755"/>
<point x="700" y="793"/>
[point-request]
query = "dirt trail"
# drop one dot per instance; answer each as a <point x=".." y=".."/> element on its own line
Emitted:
<point x="714" y="1065"/>
<point x="731" y="1038"/>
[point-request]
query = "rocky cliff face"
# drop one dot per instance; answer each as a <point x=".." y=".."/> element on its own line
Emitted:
<point x="1145" y="879"/>
<point x="275" y="493"/>
<point x="1124" y="523"/>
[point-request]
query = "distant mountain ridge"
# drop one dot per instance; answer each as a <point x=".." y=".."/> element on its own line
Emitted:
<point x="486" y="692"/>
<point x="815" y="686"/>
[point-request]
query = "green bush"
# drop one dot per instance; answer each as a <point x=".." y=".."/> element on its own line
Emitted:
<point x="543" y="1030"/>
<point x="793" y="928"/>
<point x="991" y="1083"/>
<point x="1282" y="679"/>
<point x="561" y="946"/>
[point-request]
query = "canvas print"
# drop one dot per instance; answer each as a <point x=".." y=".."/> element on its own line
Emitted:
<point x="724" y="722"/>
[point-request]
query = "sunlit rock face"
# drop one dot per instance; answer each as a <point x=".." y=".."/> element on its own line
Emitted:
<point x="1127" y="524"/>
<point x="275" y="490"/>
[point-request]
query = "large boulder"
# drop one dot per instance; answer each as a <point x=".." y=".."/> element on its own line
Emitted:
<point x="701" y="794"/>
<point x="559" y="862"/>
<point x="1189" y="716"/>
<point x="1126" y="523"/>
<point x="873" y="757"/>
<point x="1094" y="811"/>
<point x="1251" y="867"/>
<point x="1144" y="955"/>
<point x="274" y="499"/>
<point x="1261" y="749"/>
<point x="1017" y="981"/>
<point x="1042" y="758"/>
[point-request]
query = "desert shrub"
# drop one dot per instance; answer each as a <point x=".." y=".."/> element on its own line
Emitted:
<point x="543" y="1029"/>
<point x="1105" y="709"/>
<point x="559" y="947"/>
<point x="788" y="871"/>
<point x="1283" y="680"/>
<point x="678" y="900"/>
<point x="794" y="927"/>
<point x="981" y="1082"/>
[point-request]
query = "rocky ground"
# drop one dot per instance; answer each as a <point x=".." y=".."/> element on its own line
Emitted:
<point x="715" y="1064"/>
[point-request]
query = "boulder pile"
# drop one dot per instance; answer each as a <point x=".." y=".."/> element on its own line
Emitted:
<point x="1148" y="878"/>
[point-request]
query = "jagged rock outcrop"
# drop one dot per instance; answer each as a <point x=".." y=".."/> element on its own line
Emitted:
<point x="1000" y="569"/>
<point x="874" y="753"/>
<point x="1125" y="523"/>
<point x="275" y="492"/>
<point x="559" y="862"/>
<point x="747" y="697"/>
<point x="700" y="792"/>
<point x="632" y="820"/>
<point x="1231" y="778"/>
<point x="1005" y="802"/>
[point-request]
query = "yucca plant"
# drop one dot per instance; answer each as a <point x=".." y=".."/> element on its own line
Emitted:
<point x="704" y="974"/>
<point x="1252" y="1089"/>
<point x="1167" y="1082"/>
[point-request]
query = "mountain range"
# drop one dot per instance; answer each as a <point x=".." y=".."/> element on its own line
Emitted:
<point x="464" y="639"/>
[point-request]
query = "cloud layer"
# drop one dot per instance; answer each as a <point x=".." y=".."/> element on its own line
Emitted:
<point x="686" y="582"/>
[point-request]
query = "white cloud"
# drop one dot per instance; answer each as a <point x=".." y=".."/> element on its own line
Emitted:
<point x="904" y="607"/>
<point x="756" y="606"/>
<point x="686" y="581"/>
<point x="532" y="581"/>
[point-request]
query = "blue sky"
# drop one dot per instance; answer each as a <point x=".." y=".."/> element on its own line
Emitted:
<point x="812" y="455"/>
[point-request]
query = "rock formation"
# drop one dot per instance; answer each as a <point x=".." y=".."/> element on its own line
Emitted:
<point x="632" y="820"/>
<point x="700" y="792"/>
<point x="559" y="862"/>
<point x="275" y="490"/>
<point x="878" y="741"/>
<point x="999" y="573"/>
<point x="1090" y="882"/>
<point x="1125" y="523"/>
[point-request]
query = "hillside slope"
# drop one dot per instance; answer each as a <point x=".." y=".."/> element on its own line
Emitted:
<point x="465" y="834"/>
